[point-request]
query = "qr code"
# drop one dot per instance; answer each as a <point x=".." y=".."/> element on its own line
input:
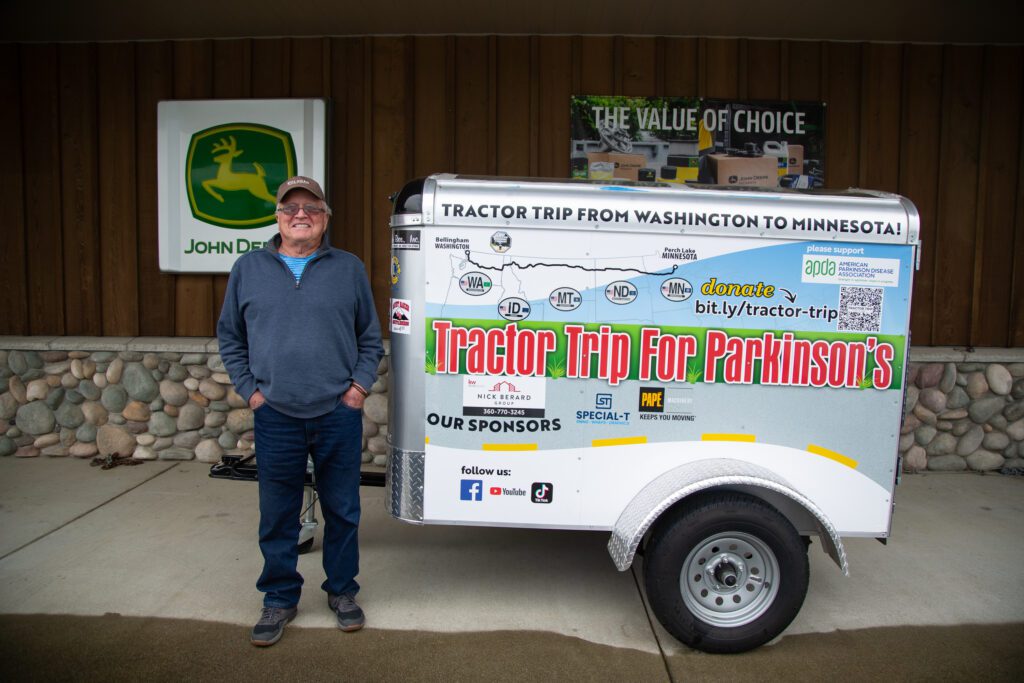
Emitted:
<point x="860" y="309"/>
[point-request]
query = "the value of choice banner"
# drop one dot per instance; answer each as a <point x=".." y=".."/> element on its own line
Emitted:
<point x="698" y="140"/>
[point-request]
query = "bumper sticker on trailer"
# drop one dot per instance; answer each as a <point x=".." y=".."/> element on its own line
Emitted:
<point x="401" y="316"/>
<point x="405" y="240"/>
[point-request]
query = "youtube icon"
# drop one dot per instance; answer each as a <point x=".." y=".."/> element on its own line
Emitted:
<point x="495" y="490"/>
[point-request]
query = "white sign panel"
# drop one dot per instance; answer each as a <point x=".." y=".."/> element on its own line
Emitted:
<point x="219" y="165"/>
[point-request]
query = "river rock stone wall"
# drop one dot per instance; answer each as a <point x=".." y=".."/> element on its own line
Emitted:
<point x="171" y="399"/>
<point x="964" y="416"/>
<point x="151" y="405"/>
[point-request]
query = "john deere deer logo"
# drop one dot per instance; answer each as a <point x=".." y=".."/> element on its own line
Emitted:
<point x="232" y="170"/>
<point x="229" y="179"/>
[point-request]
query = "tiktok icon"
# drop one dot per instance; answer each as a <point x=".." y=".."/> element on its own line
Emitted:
<point x="541" y="492"/>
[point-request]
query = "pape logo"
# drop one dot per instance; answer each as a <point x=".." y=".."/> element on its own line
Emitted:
<point x="471" y="489"/>
<point x="652" y="400"/>
<point x="232" y="171"/>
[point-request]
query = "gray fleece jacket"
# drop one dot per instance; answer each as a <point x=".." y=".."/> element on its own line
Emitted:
<point x="301" y="344"/>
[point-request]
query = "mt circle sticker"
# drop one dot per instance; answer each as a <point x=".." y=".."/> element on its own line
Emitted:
<point x="565" y="299"/>
<point x="514" y="308"/>
<point x="621" y="292"/>
<point x="676" y="289"/>
<point x="475" y="283"/>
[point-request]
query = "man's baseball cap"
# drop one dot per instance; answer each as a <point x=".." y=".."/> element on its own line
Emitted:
<point x="299" y="182"/>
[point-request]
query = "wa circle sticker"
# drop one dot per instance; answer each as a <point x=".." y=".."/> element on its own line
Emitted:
<point x="232" y="171"/>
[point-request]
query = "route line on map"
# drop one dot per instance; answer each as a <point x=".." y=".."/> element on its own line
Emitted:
<point x="567" y="265"/>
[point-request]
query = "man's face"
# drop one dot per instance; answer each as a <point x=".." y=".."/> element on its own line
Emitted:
<point x="302" y="228"/>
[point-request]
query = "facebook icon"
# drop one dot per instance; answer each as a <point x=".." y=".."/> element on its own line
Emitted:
<point x="472" y="489"/>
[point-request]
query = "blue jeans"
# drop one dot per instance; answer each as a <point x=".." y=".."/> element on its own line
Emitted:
<point x="283" y="444"/>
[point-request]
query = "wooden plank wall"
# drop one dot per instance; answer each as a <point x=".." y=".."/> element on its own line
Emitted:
<point x="940" y="124"/>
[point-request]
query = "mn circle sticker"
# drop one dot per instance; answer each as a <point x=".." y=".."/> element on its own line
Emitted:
<point x="232" y="171"/>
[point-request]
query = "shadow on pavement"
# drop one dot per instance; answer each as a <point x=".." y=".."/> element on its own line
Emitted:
<point x="111" y="647"/>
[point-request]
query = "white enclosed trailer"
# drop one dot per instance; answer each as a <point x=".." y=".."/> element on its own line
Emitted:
<point x="712" y="374"/>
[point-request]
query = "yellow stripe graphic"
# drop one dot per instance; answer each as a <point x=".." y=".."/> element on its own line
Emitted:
<point x="510" y="446"/>
<point x="624" y="441"/>
<point x="748" y="438"/>
<point x="832" y="455"/>
<point x="427" y="439"/>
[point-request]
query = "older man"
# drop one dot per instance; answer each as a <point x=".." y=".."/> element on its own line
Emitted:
<point x="299" y="336"/>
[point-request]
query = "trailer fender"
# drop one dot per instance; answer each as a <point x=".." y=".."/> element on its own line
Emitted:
<point x="678" y="483"/>
<point x="403" y="488"/>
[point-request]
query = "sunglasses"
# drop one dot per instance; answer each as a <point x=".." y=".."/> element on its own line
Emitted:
<point x="292" y="209"/>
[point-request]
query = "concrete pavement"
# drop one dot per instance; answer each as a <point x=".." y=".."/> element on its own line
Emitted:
<point x="162" y="540"/>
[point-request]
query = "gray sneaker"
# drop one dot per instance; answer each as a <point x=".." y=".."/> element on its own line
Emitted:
<point x="270" y="627"/>
<point x="350" y="615"/>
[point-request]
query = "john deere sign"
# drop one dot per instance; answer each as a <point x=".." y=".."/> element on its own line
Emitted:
<point x="233" y="170"/>
<point x="219" y="165"/>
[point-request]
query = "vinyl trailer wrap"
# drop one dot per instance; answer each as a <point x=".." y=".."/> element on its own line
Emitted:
<point x="615" y="357"/>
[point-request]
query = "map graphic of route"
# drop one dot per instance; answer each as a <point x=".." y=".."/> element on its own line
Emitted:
<point x="535" y="278"/>
<point x="646" y="279"/>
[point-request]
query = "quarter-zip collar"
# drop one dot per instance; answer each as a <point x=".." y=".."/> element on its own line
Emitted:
<point x="274" y="244"/>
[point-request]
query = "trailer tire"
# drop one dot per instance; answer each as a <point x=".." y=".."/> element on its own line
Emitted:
<point x="306" y="546"/>
<point x="725" y="572"/>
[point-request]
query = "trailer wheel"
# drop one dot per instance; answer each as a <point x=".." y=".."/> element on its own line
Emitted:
<point x="725" y="572"/>
<point x="305" y="546"/>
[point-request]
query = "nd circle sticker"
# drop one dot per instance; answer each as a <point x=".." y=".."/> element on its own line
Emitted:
<point x="621" y="292"/>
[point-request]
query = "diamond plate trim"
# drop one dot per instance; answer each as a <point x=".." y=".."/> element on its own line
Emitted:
<point x="403" y="490"/>
<point x="676" y="484"/>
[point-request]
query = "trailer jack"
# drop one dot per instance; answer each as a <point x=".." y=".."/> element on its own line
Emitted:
<point x="243" y="468"/>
